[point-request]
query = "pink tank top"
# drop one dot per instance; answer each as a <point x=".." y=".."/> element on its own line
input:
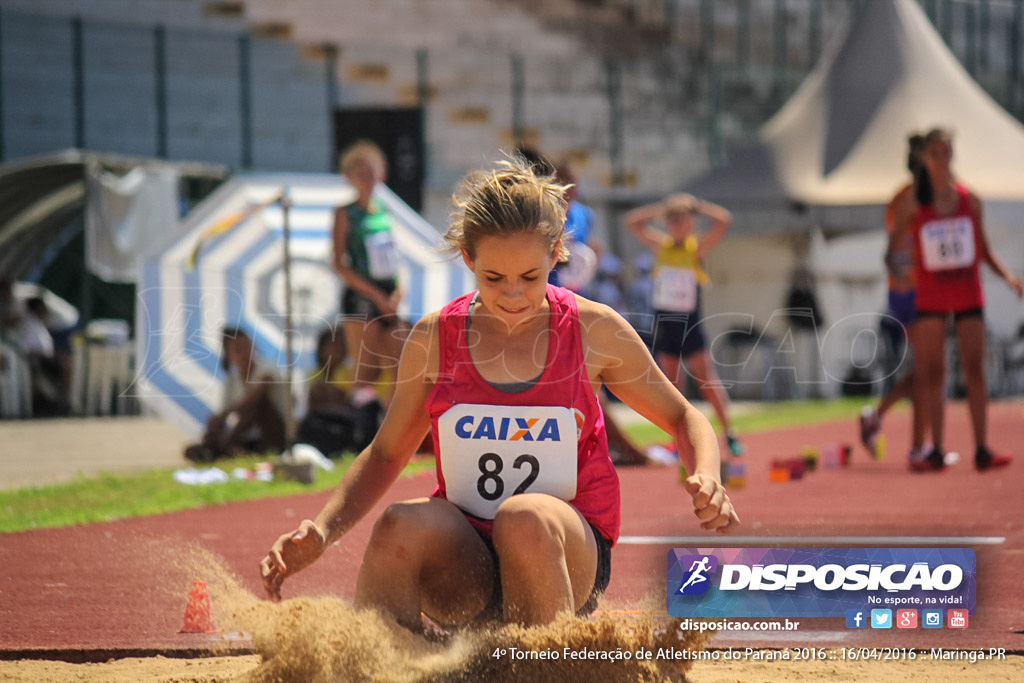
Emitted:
<point x="491" y="444"/>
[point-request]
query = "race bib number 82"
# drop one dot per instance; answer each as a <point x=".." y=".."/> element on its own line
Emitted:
<point x="490" y="453"/>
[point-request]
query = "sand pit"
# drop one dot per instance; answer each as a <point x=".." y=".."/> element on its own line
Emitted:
<point x="324" y="640"/>
<point x="84" y="587"/>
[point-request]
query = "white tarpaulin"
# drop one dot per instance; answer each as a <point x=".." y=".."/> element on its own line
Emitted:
<point x="127" y="217"/>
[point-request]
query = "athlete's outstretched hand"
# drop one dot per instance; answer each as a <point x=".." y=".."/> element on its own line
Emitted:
<point x="291" y="553"/>
<point x="711" y="504"/>
<point x="1017" y="285"/>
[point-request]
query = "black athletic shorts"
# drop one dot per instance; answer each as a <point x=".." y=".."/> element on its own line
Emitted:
<point x="678" y="334"/>
<point x="355" y="305"/>
<point x="957" y="316"/>
<point x="493" y="611"/>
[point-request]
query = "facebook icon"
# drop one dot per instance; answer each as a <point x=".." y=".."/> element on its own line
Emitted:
<point x="856" y="618"/>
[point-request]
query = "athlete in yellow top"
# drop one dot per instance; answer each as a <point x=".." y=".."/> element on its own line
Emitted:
<point x="678" y="275"/>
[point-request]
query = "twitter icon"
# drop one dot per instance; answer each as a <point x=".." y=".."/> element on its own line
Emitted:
<point x="881" y="618"/>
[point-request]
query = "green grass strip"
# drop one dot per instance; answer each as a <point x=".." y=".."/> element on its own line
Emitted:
<point x="760" y="417"/>
<point x="107" y="497"/>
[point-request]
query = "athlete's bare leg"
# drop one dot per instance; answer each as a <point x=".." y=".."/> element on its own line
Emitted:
<point x="970" y="336"/>
<point x="548" y="558"/>
<point x="929" y="379"/>
<point x="710" y="387"/>
<point x="425" y="557"/>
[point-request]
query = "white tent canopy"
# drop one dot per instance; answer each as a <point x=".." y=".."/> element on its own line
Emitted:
<point x="841" y="139"/>
<point x="810" y="193"/>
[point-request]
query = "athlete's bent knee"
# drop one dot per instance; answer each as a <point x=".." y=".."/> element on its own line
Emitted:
<point x="397" y="521"/>
<point x="520" y="527"/>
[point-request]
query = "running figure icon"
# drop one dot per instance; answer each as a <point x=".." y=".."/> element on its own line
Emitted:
<point x="697" y="573"/>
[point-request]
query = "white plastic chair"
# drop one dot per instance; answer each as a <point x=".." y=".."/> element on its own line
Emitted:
<point x="106" y="357"/>
<point x="15" y="384"/>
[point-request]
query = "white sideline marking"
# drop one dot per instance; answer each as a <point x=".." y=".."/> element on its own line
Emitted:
<point x="828" y="541"/>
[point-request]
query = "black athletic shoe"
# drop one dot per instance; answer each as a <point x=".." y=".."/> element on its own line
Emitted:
<point x="199" y="453"/>
<point x="933" y="462"/>
<point x="984" y="459"/>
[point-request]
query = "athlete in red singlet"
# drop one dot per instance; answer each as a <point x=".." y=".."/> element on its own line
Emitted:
<point x="527" y="508"/>
<point x="946" y="258"/>
<point x="563" y="384"/>
<point x="949" y="243"/>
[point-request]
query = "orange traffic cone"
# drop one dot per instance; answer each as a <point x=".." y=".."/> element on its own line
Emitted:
<point x="198" y="616"/>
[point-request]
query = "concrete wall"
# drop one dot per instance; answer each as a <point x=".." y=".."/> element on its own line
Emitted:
<point x="494" y="73"/>
<point x="118" y="93"/>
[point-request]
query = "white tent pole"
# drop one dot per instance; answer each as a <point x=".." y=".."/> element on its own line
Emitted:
<point x="289" y="415"/>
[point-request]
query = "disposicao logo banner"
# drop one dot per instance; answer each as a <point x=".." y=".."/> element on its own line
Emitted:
<point x="817" y="582"/>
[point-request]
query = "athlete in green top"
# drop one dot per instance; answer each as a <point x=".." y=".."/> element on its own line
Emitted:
<point x="366" y="259"/>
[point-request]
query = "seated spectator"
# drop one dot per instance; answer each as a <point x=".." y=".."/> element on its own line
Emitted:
<point x="32" y="338"/>
<point x="621" y="449"/>
<point x="337" y="420"/>
<point x="11" y="311"/>
<point x="255" y="400"/>
<point x="31" y="334"/>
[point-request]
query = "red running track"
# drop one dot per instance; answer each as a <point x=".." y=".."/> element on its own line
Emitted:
<point x="116" y="588"/>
